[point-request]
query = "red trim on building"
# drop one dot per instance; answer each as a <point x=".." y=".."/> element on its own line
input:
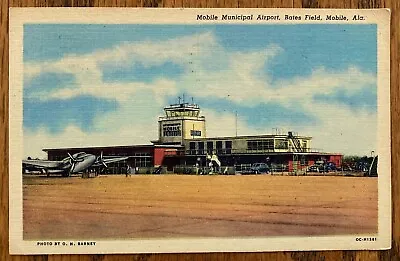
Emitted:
<point x="160" y="153"/>
<point x="336" y="158"/>
<point x="290" y="165"/>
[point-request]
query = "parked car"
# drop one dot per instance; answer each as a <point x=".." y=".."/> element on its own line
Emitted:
<point x="347" y="167"/>
<point x="330" y="166"/>
<point x="258" y="168"/>
<point x="323" y="168"/>
<point x="314" y="168"/>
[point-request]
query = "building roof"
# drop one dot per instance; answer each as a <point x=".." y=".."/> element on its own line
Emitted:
<point x="117" y="147"/>
<point x="252" y="137"/>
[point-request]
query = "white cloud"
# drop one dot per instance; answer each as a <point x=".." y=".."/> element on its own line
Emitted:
<point x="87" y="67"/>
<point x="241" y="84"/>
<point x="240" y="81"/>
<point x="324" y="82"/>
<point x="120" y="91"/>
<point x="342" y="130"/>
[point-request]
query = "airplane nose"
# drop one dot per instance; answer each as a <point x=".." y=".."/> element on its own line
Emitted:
<point x="92" y="158"/>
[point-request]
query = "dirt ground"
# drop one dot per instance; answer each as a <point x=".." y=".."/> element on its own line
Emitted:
<point x="154" y="206"/>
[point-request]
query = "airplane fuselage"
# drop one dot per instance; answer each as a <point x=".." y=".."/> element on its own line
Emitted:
<point x="87" y="161"/>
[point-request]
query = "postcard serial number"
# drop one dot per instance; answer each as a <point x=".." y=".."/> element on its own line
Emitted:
<point x="363" y="239"/>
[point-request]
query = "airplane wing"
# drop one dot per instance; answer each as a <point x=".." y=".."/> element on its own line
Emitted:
<point x="42" y="164"/>
<point x="101" y="160"/>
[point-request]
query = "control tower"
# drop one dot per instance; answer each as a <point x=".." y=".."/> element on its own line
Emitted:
<point x="181" y="122"/>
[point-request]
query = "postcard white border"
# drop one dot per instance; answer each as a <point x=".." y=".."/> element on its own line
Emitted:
<point x="20" y="16"/>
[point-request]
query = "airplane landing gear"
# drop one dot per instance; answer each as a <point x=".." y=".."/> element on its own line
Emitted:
<point x="66" y="174"/>
<point x="45" y="171"/>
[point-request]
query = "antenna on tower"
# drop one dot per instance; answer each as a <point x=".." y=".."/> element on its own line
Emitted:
<point x="179" y="99"/>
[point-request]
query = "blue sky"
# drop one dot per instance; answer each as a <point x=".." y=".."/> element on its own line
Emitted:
<point x="332" y="46"/>
<point x="289" y="76"/>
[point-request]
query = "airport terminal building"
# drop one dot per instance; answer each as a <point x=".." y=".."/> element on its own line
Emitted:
<point x="182" y="141"/>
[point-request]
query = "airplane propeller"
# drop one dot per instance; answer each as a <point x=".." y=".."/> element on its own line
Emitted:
<point x="73" y="161"/>
<point x="100" y="159"/>
<point x="70" y="157"/>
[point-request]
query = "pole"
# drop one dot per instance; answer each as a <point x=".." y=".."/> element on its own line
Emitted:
<point x="236" y="123"/>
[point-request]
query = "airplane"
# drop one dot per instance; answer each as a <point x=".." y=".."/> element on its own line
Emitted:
<point x="72" y="164"/>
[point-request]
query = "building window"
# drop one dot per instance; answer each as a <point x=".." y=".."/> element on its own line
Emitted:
<point x="251" y="145"/>
<point x="281" y="144"/>
<point x="192" y="148"/>
<point x="218" y="146"/>
<point x="140" y="159"/>
<point x="201" y="147"/>
<point x="260" y="145"/>
<point x="228" y="147"/>
<point x="210" y="147"/>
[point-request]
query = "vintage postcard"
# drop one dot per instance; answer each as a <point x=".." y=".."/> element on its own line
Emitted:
<point x="198" y="130"/>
